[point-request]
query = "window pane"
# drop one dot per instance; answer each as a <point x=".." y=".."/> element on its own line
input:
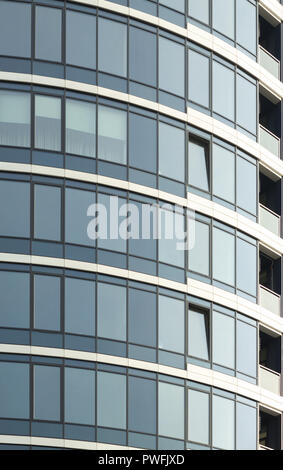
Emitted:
<point x="199" y="81"/>
<point x="246" y="99"/>
<point x="81" y="39"/>
<point x="172" y="227"/>
<point x="171" y="324"/>
<point x="142" y="56"/>
<point x="171" y="152"/>
<point x="198" y="334"/>
<point x="46" y="393"/>
<point x="47" y="123"/>
<point x="76" y="220"/>
<point x="176" y="4"/>
<point x="142" y="317"/>
<point x="15" y="28"/>
<point x="109" y="242"/>
<point x="246" y="427"/>
<point x="171" y="66"/>
<point x="224" y="17"/>
<point x="47" y="212"/>
<point x="198" y="165"/>
<point x="14" y="118"/>
<point x="199" y="253"/>
<point x="199" y="9"/>
<point x="112" y="135"/>
<point x="223" y="164"/>
<point x="111" y="400"/>
<point x="15" y="299"/>
<point x="171" y="410"/>
<point x="223" y="341"/>
<point x="246" y="349"/>
<point x="142" y="143"/>
<point x="142" y="405"/>
<point x="247" y="25"/>
<point x="111" y="312"/>
<point x="79" y="396"/>
<point x="146" y="247"/>
<point x="223" y="257"/>
<point x="246" y="185"/>
<point x="112" y="47"/>
<point x="48" y="34"/>
<point x="80" y="128"/>
<point x="223" y="97"/>
<point x="246" y="267"/>
<point x="198" y="414"/>
<point x="223" y="423"/>
<point x="14" y="209"/>
<point x="79" y="306"/>
<point x="47" y="305"/>
<point x="14" y="386"/>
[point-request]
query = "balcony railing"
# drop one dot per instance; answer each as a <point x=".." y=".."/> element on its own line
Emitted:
<point x="269" y="62"/>
<point x="269" y="380"/>
<point x="269" y="141"/>
<point x="269" y="220"/>
<point x="269" y="300"/>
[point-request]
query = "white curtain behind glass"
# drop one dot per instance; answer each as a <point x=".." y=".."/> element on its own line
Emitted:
<point x="112" y="135"/>
<point x="14" y="118"/>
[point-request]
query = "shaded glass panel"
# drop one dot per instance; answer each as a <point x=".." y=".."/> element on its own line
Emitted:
<point x="46" y="393"/>
<point x="198" y="334"/>
<point x="47" y="212"/>
<point x="198" y="165"/>
<point x="47" y="302"/>
<point x="48" y="34"/>
<point x="172" y="227"/>
<point x="223" y="423"/>
<point x="142" y="405"/>
<point x="79" y="306"/>
<point x="246" y="349"/>
<point x="247" y="25"/>
<point x="142" y="143"/>
<point x="112" y="47"/>
<point x="223" y="340"/>
<point x="15" y="299"/>
<point x="14" y="209"/>
<point x="198" y="414"/>
<point x="223" y="173"/>
<point x="15" y="29"/>
<point x="171" y="410"/>
<point x="76" y="220"/>
<point x="223" y="96"/>
<point x="171" y="152"/>
<point x="171" y="324"/>
<point x="47" y="123"/>
<point x="109" y="238"/>
<point x="14" y="118"/>
<point x="246" y="427"/>
<point x="14" y="386"/>
<point x="246" y="185"/>
<point x="112" y="135"/>
<point x="111" y="400"/>
<point x="142" y="54"/>
<point x="171" y="66"/>
<point x="246" y="99"/>
<point x="81" y="39"/>
<point x="223" y="13"/>
<point x="80" y="128"/>
<point x="142" y="318"/>
<point x="199" y="253"/>
<point x="80" y="396"/>
<point x="199" y="9"/>
<point x="199" y="81"/>
<point x="111" y="315"/>
<point x="246" y="267"/>
<point x="223" y="256"/>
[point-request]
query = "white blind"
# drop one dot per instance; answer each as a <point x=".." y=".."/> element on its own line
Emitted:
<point x="80" y="116"/>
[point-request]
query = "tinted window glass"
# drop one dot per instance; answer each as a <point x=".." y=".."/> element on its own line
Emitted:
<point x="199" y="81"/>
<point x="47" y="305"/>
<point x="246" y="267"/>
<point x="109" y="242"/>
<point x="223" y="256"/>
<point x="169" y="250"/>
<point x="14" y="118"/>
<point x="142" y="405"/>
<point x="171" y="66"/>
<point x="198" y="334"/>
<point x="112" y="135"/>
<point x="223" y="423"/>
<point x="142" y="317"/>
<point x="47" y="212"/>
<point x="80" y="39"/>
<point x="199" y="9"/>
<point x="142" y="142"/>
<point x="79" y="396"/>
<point x="246" y="349"/>
<point x="246" y="427"/>
<point x="198" y="164"/>
<point x="14" y="209"/>
<point x="15" y="28"/>
<point x="79" y="306"/>
<point x="76" y="220"/>
<point x="223" y="164"/>
<point x="14" y="385"/>
<point x="111" y="312"/>
<point x="15" y="299"/>
<point x="223" y="97"/>
<point x="144" y="246"/>
<point x="142" y="56"/>
<point x="111" y="400"/>
<point x="223" y="340"/>
<point x="246" y="185"/>
<point x="47" y="123"/>
<point x="171" y="410"/>
<point x="224" y="17"/>
<point x="171" y="324"/>
<point x="246" y="99"/>
<point x="199" y="253"/>
<point x="48" y="24"/>
<point x="171" y="152"/>
<point x="198" y="413"/>
<point x="47" y="393"/>
<point x="112" y="51"/>
<point x="80" y="128"/>
<point x="246" y="25"/>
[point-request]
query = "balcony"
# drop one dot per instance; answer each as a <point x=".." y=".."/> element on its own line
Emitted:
<point x="269" y="62"/>
<point x="269" y="300"/>
<point x="269" y="220"/>
<point x="269" y="141"/>
<point x="269" y="380"/>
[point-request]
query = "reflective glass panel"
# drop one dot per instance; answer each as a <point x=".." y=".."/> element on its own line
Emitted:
<point x="171" y="410"/>
<point x="223" y="423"/>
<point x="142" y="405"/>
<point x="14" y="118"/>
<point x="199" y="9"/>
<point x="246" y="349"/>
<point x="223" y="13"/>
<point x="15" y="29"/>
<point x="81" y="39"/>
<point x="48" y="34"/>
<point x="112" y="135"/>
<point x="223" y="173"/>
<point x="246" y="99"/>
<point x="199" y="164"/>
<point x="80" y="128"/>
<point x="246" y="185"/>
<point x="79" y="306"/>
<point x="171" y="324"/>
<point x="14" y="209"/>
<point x="223" y="96"/>
<point x="246" y="427"/>
<point x="47" y="302"/>
<point x="142" y="142"/>
<point x="171" y="152"/>
<point x="198" y="334"/>
<point x="46" y="393"/>
<point x="79" y="396"/>
<point x="171" y="66"/>
<point x="247" y="25"/>
<point x="199" y="81"/>
<point x="199" y="253"/>
<point x="47" y="123"/>
<point x="15" y="299"/>
<point x="223" y="340"/>
<point x="111" y="315"/>
<point x="112" y="47"/>
<point x="142" y="317"/>
<point x="198" y="414"/>
<point x="47" y="212"/>
<point x="246" y="267"/>
<point x="76" y="221"/>
<point x="223" y="256"/>
<point x="111" y="400"/>
<point x="142" y="55"/>
<point x="14" y="386"/>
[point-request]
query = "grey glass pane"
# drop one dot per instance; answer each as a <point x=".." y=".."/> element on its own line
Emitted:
<point x="223" y="340"/>
<point x="111" y="315"/>
<point x="14" y="209"/>
<point x="112" y="240"/>
<point x="48" y="34"/>
<point x="178" y="5"/>
<point x="224" y="17"/>
<point x="76" y="220"/>
<point x="246" y="99"/>
<point x="142" y="318"/>
<point x="246" y="185"/>
<point x="47" y="123"/>
<point x="142" y="53"/>
<point x="246" y="267"/>
<point x="247" y="25"/>
<point x="144" y="246"/>
<point x="142" y="405"/>
<point x="46" y="393"/>
<point x="199" y="81"/>
<point x="15" y="29"/>
<point x="198" y="334"/>
<point x="171" y="324"/>
<point x="112" y="135"/>
<point x="223" y="256"/>
<point x="171" y="152"/>
<point x="172" y="227"/>
<point x="223" y="423"/>
<point x="47" y="302"/>
<point x="80" y="396"/>
<point x="111" y="400"/>
<point x="14" y="386"/>
<point x="223" y="96"/>
<point x="14" y="118"/>
<point x="246" y="427"/>
<point x="199" y="9"/>
<point x="80" y="128"/>
<point x="171" y="410"/>
<point x="15" y="299"/>
<point x="47" y="212"/>
<point x="79" y="306"/>
<point x="199" y="254"/>
<point x="112" y="47"/>
<point x="223" y="164"/>
<point x="142" y="142"/>
<point x="81" y="39"/>
<point x="246" y="349"/>
<point x="198" y="165"/>
<point x="198" y="415"/>
<point x="171" y="66"/>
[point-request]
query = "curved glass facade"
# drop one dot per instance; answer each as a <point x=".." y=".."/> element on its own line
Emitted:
<point x="139" y="340"/>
